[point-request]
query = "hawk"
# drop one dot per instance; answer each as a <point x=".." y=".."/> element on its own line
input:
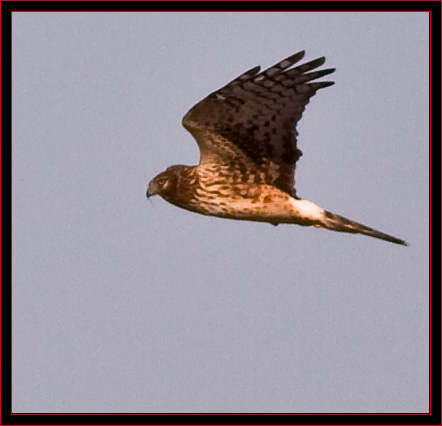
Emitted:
<point x="246" y="133"/>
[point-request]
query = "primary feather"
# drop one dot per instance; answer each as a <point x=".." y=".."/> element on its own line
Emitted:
<point x="246" y="133"/>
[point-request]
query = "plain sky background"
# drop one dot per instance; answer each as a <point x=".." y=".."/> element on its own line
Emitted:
<point x="126" y="305"/>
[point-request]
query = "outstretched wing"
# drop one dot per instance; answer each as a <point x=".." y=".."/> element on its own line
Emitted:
<point x="251" y="121"/>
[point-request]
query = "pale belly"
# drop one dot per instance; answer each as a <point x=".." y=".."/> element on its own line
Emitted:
<point x="263" y="203"/>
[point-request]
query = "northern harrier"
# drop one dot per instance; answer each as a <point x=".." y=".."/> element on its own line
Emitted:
<point x="248" y="151"/>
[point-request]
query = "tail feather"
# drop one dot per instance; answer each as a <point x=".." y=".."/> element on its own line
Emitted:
<point x="338" y="223"/>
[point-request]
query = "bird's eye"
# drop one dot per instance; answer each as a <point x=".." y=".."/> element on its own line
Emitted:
<point x="162" y="181"/>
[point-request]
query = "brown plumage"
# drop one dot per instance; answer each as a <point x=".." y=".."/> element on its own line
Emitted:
<point x="248" y="151"/>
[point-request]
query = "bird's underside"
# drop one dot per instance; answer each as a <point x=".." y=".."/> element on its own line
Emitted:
<point x="248" y="151"/>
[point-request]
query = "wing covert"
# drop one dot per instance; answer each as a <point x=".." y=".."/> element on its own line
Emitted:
<point x="253" y="119"/>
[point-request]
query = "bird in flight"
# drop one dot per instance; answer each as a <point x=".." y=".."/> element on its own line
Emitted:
<point x="246" y="133"/>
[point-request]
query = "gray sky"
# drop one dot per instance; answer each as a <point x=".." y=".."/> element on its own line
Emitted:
<point x="126" y="305"/>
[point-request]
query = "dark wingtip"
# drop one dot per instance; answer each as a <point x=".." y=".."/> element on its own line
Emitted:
<point x="327" y="71"/>
<point x="321" y="85"/>
<point x="296" y="57"/>
<point x="320" y="61"/>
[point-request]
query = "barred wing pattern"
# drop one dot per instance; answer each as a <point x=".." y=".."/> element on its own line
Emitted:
<point x="251" y="122"/>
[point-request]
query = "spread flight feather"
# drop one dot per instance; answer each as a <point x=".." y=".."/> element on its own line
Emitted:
<point x="246" y="133"/>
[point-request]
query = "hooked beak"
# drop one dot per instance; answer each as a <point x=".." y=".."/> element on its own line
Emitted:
<point x="152" y="189"/>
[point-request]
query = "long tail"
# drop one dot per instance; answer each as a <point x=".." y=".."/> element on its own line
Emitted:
<point x="338" y="223"/>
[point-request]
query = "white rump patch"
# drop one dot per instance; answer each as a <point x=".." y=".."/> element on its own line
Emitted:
<point x="307" y="209"/>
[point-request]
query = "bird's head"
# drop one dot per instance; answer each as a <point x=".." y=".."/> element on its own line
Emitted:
<point x="165" y="183"/>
